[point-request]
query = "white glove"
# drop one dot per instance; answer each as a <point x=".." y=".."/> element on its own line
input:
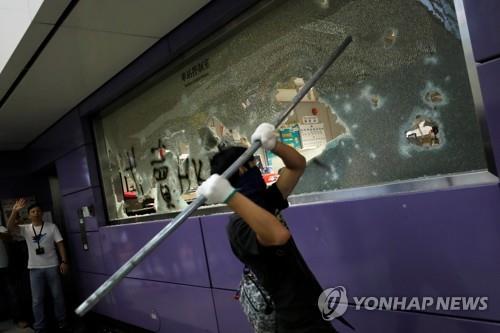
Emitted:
<point x="216" y="189"/>
<point x="265" y="133"/>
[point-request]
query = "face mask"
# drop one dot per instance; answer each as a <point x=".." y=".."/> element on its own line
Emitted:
<point x="251" y="183"/>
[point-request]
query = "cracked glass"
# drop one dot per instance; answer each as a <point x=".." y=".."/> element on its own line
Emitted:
<point x="397" y="105"/>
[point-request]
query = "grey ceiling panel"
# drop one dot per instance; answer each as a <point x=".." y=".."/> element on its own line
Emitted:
<point x="42" y="23"/>
<point x="144" y="18"/>
<point x="95" y="42"/>
<point x="72" y="66"/>
<point x="50" y="11"/>
<point x="28" y="45"/>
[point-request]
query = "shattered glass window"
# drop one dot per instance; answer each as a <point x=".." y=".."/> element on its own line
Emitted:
<point x="396" y="106"/>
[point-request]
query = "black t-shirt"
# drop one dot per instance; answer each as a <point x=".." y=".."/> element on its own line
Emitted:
<point x="282" y="271"/>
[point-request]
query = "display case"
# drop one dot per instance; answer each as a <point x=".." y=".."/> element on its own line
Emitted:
<point x="396" y="113"/>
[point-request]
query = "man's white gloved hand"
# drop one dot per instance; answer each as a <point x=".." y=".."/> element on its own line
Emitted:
<point x="216" y="189"/>
<point x="265" y="133"/>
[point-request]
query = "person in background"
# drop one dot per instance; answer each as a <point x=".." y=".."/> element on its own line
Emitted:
<point x="5" y="285"/>
<point x="8" y="282"/>
<point x="42" y="240"/>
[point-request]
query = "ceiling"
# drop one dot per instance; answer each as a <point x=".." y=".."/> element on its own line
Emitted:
<point x="94" y="42"/>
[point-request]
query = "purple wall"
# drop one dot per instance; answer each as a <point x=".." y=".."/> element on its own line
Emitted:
<point x="443" y="243"/>
<point x="426" y="244"/>
<point x="385" y="321"/>
<point x="181" y="259"/>
<point x="61" y="138"/>
<point x="484" y="25"/>
<point x="177" y="307"/>
<point x="489" y="74"/>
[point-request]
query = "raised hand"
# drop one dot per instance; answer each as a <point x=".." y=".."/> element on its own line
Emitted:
<point x="266" y="135"/>
<point x="20" y="204"/>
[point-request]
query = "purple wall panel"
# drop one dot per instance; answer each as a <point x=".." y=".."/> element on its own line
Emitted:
<point x="90" y="261"/>
<point x="179" y="259"/>
<point x="77" y="170"/>
<point x="489" y="75"/>
<point x="231" y="319"/>
<point x="166" y="307"/>
<point x="72" y="202"/>
<point x="140" y="69"/>
<point x="484" y="26"/>
<point x="395" y="322"/>
<point x="225" y="269"/>
<point x="87" y="284"/>
<point x="230" y="316"/>
<point x="92" y="165"/>
<point x="58" y="140"/>
<point x="415" y="250"/>
<point x="87" y="128"/>
<point x="429" y="244"/>
<point x="211" y="17"/>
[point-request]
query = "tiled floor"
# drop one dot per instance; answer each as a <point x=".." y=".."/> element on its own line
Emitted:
<point x="9" y="327"/>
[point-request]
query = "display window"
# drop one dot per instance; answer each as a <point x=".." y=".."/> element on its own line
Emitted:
<point x="396" y="107"/>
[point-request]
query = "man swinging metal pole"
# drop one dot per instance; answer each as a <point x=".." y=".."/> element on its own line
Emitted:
<point x="184" y="214"/>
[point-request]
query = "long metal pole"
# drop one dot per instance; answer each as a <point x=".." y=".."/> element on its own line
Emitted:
<point x="93" y="299"/>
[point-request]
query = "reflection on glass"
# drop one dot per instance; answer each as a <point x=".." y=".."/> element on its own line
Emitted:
<point x="397" y="105"/>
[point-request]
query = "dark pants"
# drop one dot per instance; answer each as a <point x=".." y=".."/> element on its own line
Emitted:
<point x="20" y="281"/>
<point x="7" y="292"/>
<point x="40" y="279"/>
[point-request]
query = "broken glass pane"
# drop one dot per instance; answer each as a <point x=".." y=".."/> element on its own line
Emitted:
<point x="396" y="106"/>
